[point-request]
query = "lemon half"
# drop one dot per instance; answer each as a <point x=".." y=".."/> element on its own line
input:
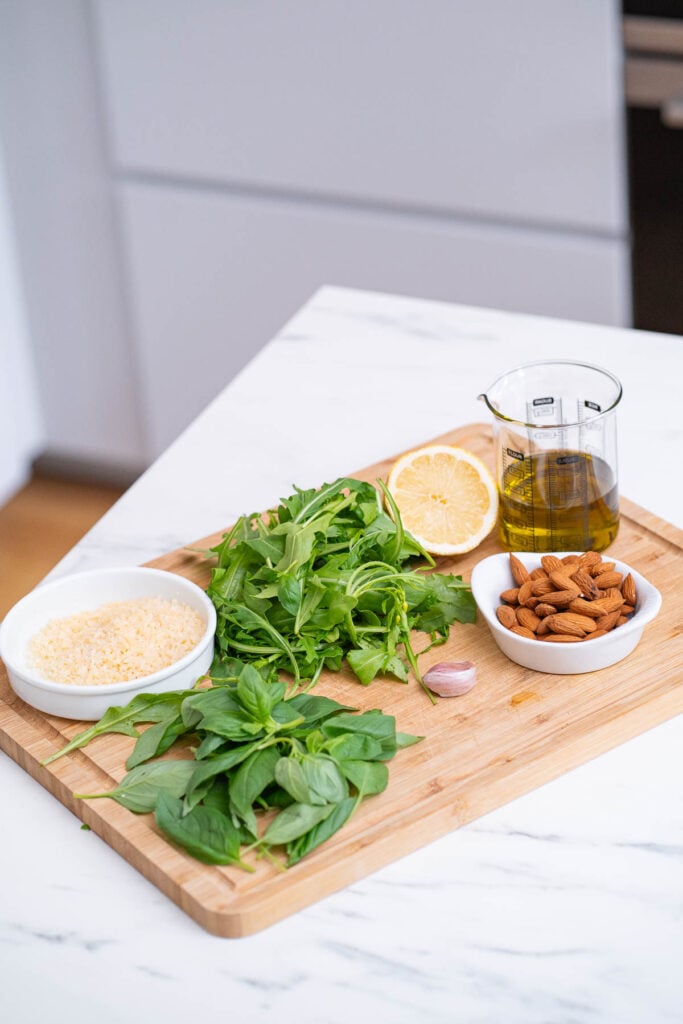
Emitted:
<point x="446" y="496"/>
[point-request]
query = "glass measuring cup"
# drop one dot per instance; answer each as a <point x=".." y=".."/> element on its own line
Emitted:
<point x="555" y="439"/>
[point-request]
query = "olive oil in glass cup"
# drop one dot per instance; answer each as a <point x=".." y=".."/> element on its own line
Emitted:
<point x="555" y="441"/>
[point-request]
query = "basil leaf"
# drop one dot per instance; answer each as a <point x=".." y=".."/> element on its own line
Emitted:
<point x="156" y="740"/>
<point x="206" y="771"/>
<point x="369" y="777"/>
<point x="249" y="781"/>
<point x="256" y="696"/>
<point x="139" y="789"/>
<point x="355" y="746"/>
<point x="145" y="707"/>
<point x="324" y="779"/>
<point x="316" y="835"/>
<point x="406" y="739"/>
<point x="206" y="702"/>
<point x="290" y="775"/>
<point x="314" y="708"/>
<point x="294" y="821"/>
<point x="231" y="725"/>
<point x="204" y="832"/>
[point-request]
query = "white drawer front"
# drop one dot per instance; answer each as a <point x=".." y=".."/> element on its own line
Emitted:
<point x="212" y="278"/>
<point x="494" y="109"/>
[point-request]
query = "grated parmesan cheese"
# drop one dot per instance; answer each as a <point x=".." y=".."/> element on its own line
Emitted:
<point x="115" y="643"/>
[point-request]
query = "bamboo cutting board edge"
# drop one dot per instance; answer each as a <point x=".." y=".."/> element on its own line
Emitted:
<point x="226" y="907"/>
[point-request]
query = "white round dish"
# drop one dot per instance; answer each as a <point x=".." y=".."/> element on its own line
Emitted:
<point x="491" y="576"/>
<point x="86" y="591"/>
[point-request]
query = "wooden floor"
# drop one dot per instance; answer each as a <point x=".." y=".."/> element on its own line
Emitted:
<point x="39" y="525"/>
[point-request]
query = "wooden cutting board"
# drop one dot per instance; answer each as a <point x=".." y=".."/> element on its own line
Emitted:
<point x="515" y="731"/>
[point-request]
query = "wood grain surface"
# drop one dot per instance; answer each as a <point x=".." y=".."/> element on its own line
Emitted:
<point x="516" y="730"/>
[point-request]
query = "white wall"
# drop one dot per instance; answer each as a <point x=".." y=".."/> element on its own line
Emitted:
<point x="63" y="206"/>
<point x="21" y="428"/>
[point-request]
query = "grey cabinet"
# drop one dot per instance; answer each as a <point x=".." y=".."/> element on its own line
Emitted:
<point x="483" y="109"/>
<point x="240" y="154"/>
<point x="213" y="276"/>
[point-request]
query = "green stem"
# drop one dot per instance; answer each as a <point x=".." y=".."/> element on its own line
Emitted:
<point x="410" y="655"/>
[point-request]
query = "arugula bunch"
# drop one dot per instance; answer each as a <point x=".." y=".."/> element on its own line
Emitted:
<point x="308" y="758"/>
<point x="326" y="576"/>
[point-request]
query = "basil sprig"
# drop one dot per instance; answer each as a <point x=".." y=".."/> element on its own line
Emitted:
<point x="307" y="758"/>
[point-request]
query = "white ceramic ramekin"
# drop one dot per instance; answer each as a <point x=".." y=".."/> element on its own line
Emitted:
<point x="86" y="591"/>
<point x="492" y="575"/>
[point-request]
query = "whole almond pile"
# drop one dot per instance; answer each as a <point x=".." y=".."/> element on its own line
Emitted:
<point x="566" y="600"/>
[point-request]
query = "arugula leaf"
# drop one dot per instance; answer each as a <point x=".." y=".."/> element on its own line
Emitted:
<point x="327" y="575"/>
<point x="367" y="662"/>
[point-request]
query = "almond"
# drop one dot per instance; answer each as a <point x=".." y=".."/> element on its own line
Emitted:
<point x="628" y="589"/>
<point x="601" y="567"/>
<point x="586" y="584"/>
<point x="562" y="581"/>
<point x="541" y="587"/>
<point x="571" y="624"/>
<point x="523" y="631"/>
<point x="609" y="604"/>
<point x="596" y="634"/>
<point x="568" y="599"/>
<point x="560" y="597"/>
<point x="525" y="617"/>
<point x="506" y="616"/>
<point x="607" y="622"/>
<point x="583" y="607"/>
<point x="519" y="572"/>
<point x="555" y="625"/>
<point x="609" y="579"/>
<point x="551" y="564"/>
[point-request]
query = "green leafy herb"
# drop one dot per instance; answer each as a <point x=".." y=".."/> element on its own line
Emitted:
<point x="139" y="790"/>
<point x="328" y="575"/>
<point x="146" y="707"/>
<point x="307" y="758"/>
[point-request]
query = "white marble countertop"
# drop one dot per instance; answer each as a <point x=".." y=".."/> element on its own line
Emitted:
<point x="565" y="906"/>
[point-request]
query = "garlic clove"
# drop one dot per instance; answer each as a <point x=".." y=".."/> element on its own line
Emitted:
<point x="451" y="678"/>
